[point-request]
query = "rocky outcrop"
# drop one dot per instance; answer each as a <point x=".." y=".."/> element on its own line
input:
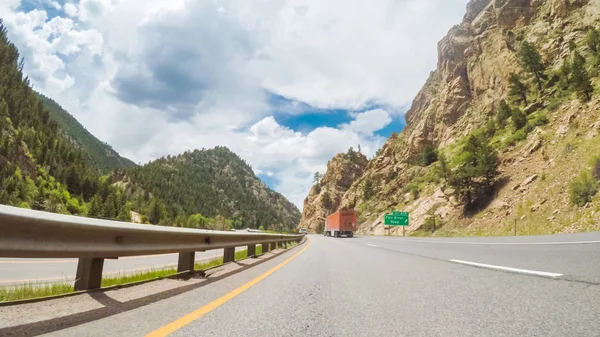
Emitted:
<point x="324" y="197"/>
<point x="475" y="60"/>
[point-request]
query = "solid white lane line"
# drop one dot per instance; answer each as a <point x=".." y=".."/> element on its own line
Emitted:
<point x="370" y="245"/>
<point x="501" y="243"/>
<point x="515" y="270"/>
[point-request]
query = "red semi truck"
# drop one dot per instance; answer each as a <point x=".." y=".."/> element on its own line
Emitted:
<point x="341" y="223"/>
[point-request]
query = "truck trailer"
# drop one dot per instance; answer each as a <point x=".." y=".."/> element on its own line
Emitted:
<point x="341" y="223"/>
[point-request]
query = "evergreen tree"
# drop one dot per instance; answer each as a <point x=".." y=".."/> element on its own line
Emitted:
<point x="125" y="212"/>
<point x="95" y="209"/>
<point x="429" y="155"/>
<point x="581" y="79"/>
<point x="156" y="212"/>
<point x="444" y="169"/>
<point x="317" y="178"/>
<point x="109" y="209"/>
<point x="565" y="75"/>
<point x="517" y="89"/>
<point x="368" y="190"/>
<point x="518" y="118"/>
<point x="531" y="61"/>
<point x="504" y="112"/>
<point x="476" y="175"/>
<point x="593" y="40"/>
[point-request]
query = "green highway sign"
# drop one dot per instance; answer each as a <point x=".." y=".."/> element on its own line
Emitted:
<point x="396" y="219"/>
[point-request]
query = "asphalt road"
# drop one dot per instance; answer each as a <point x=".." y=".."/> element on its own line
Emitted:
<point x="379" y="286"/>
<point x="19" y="271"/>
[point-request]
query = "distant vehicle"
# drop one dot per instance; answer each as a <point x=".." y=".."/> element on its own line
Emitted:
<point x="341" y="223"/>
<point x="303" y="231"/>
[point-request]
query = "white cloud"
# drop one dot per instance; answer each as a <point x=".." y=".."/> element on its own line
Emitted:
<point x="159" y="77"/>
<point x="70" y="9"/>
<point x="369" y="122"/>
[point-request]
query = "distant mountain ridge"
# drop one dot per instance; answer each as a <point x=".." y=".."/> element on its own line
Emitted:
<point x="215" y="182"/>
<point x="101" y="155"/>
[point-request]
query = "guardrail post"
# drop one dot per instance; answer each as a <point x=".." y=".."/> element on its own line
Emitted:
<point x="229" y="255"/>
<point x="89" y="273"/>
<point x="273" y="246"/>
<point x="186" y="261"/>
<point x="265" y="248"/>
<point x="251" y="250"/>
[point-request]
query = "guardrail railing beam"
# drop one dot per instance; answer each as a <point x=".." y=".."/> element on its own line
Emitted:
<point x="89" y="273"/>
<point x="185" y="262"/>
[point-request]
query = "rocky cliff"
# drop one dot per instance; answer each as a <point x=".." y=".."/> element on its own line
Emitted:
<point x="475" y="61"/>
<point x="325" y="196"/>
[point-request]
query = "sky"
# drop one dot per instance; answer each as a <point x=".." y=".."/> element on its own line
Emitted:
<point x="286" y="84"/>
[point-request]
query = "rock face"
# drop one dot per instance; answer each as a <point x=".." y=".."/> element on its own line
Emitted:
<point x="475" y="60"/>
<point x="324" y="198"/>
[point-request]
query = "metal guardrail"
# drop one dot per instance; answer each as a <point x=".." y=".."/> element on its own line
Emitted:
<point x="27" y="233"/>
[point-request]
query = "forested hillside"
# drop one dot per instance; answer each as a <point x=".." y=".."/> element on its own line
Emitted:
<point x="40" y="168"/>
<point x="45" y="165"/>
<point x="215" y="182"/>
<point x="101" y="155"/>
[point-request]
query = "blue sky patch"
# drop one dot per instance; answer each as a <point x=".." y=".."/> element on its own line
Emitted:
<point x="51" y="11"/>
<point x="270" y="181"/>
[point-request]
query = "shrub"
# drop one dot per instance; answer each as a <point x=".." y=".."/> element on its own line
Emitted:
<point x="540" y="118"/>
<point x="430" y="155"/>
<point x="515" y="137"/>
<point x="414" y="190"/>
<point x="518" y="118"/>
<point x="583" y="189"/>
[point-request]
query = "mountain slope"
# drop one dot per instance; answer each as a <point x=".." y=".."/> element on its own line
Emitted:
<point x="511" y="81"/>
<point x="102" y="155"/>
<point x="215" y="182"/>
<point x="325" y="196"/>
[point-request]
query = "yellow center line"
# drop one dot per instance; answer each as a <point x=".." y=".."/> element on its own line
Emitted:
<point x="189" y="318"/>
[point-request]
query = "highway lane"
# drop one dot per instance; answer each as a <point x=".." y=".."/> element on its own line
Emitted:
<point x="18" y="271"/>
<point x="575" y="256"/>
<point x="375" y="286"/>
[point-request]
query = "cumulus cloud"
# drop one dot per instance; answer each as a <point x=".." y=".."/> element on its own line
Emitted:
<point x="369" y="121"/>
<point x="159" y="77"/>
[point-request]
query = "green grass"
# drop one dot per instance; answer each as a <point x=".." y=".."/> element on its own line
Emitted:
<point x="29" y="290"/>
<point x="142" y="275"/>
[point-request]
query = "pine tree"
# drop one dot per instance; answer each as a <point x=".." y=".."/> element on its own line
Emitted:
<point x="368" y="189"/>
<point x="429" y="155"/>
<point x="531" y="61"/>
<point x="504" y="112"/>
<point x="317" y="178"/>
<point x="109" y="210"/>
<point x="581" y="79"/>
<point x="593" y="40"/>
<point x="476" y="175"/>
<point x="95" y="209"/>
<point x="157" y="211"/>
<point x="517" y="89"/>
<point x="125" y="213"/>
<point x="565" y="75"/>
<point x="518" y="118"/>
